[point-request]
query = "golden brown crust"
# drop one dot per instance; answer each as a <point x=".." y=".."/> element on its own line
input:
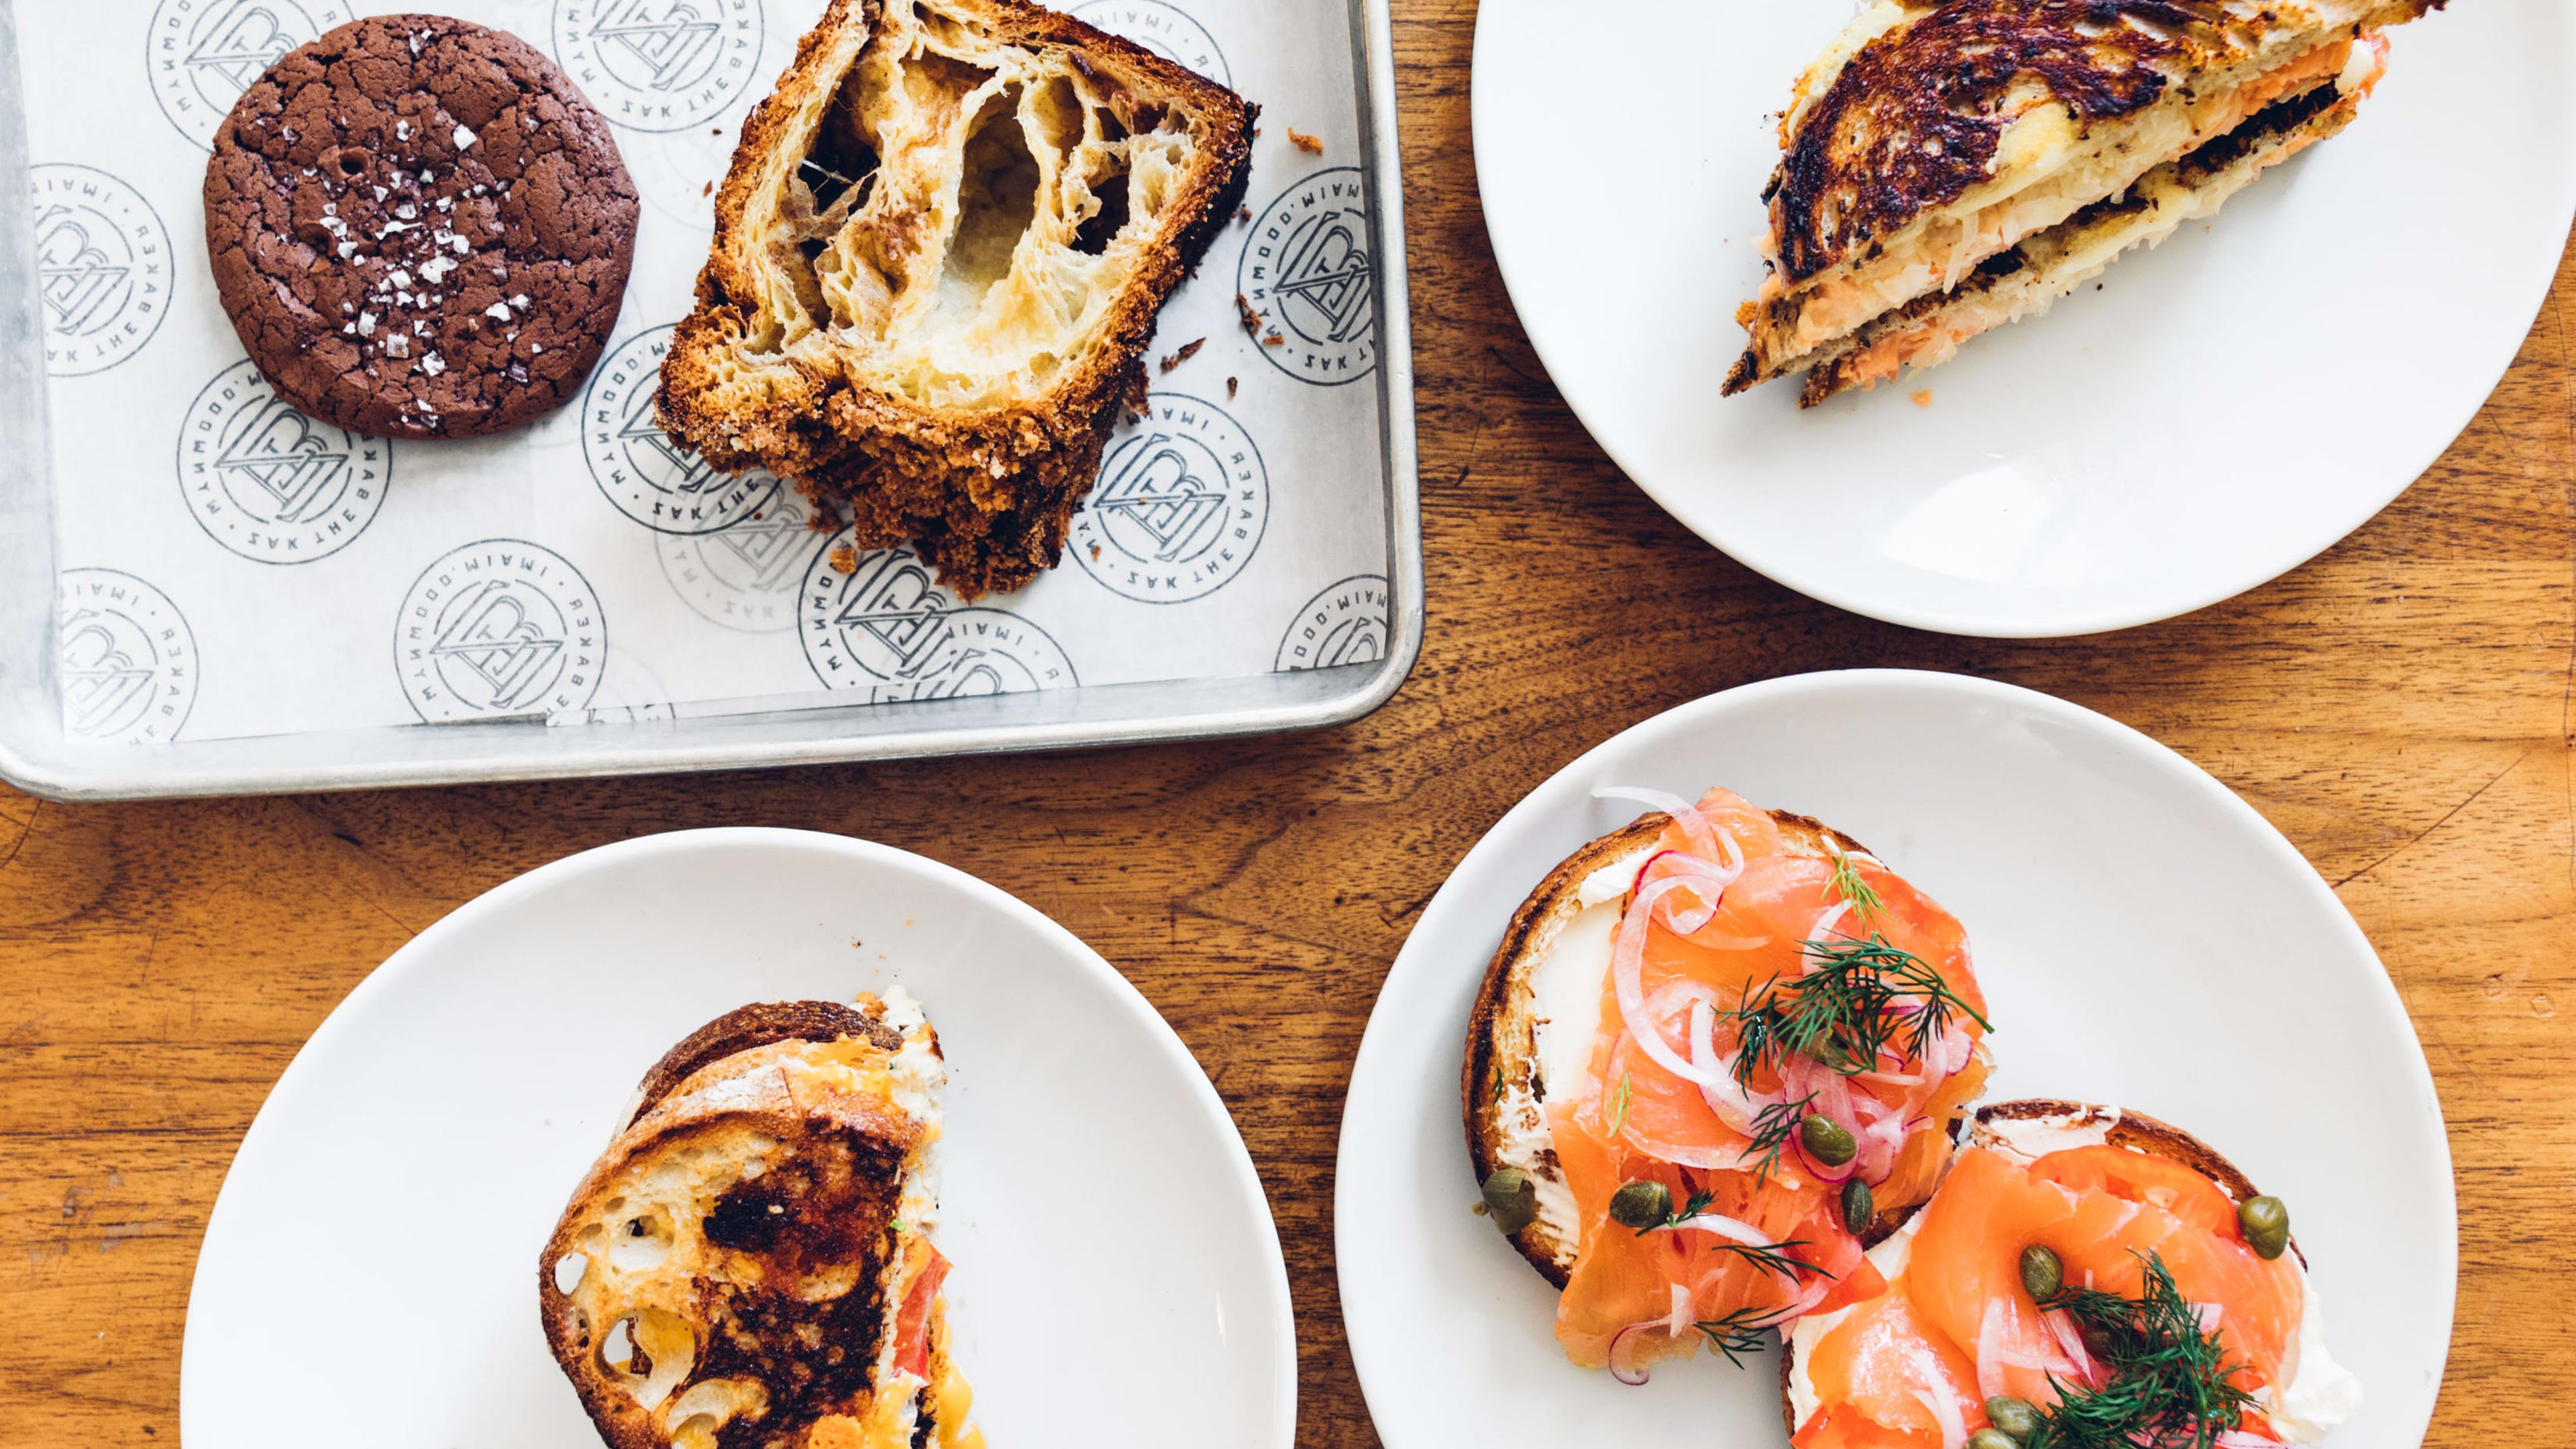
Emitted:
<point x="986" y="492"/>
<point x="757" y="1025"/>
<point x="1502" y="1048"/>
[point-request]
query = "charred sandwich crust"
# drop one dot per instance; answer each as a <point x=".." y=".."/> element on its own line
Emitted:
<point x="759" y="1025"/>
<point x="1500" y="1038"/>
<point x="1913" y="119"/>
<point x="2134" y="1130"/>
<point x="911" y="471"/>
<point x="2293" y="121"/>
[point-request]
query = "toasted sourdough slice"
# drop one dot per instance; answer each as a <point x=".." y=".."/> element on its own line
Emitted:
<point x="2026" y="280"/>
<point x="1933" y="136"/>
<point x="2029" y="1128"/>
<point x="1504" y="1087"/>
<point x="749" y="1263"/>
<point x="937" y="262"/>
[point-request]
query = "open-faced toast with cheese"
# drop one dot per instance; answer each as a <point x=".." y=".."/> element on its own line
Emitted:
<point x="749" y="1265"/>
<point x="937" y="263"/>
<point x="1949" y="166"/>
<point x="2083" y="1277"/>
<point x="1718" y="1051"/>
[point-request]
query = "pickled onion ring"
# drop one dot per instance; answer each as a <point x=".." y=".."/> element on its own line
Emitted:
<point x="1627" y="977"/>
<point x="1939" y="1396"/>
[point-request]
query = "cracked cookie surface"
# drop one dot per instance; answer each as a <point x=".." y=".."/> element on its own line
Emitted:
<point x="419" y="228"/>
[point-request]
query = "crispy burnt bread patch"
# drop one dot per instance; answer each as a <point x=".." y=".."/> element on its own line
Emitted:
<point x="938" y="258"/>
<point x="1914" y="119"/>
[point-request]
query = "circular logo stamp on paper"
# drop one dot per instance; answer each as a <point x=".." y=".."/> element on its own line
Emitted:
<point x="660" y="65"/>
<point x="1167" y="30"/>
<point x="651" y="477"/>
<point x="202" y="54"/>
<point x="102" y="267"/>
<point x="1180" y="507"/>
<point x="499" y="628"/>
<point x="1345" y="624"/>
<point x="1306" y="272"/>
<point x="271" y="484"/>
<point x="746" y="575"/>
<point x="887" y="627"/>
<point x="126" y="661"/>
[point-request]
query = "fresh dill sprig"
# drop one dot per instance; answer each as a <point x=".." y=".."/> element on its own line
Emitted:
<point x="1847" y="883"/>
<point x="1775" y="1258"/>
<point x="2170" y="1384"/>
<point x="1700" y="1198"/>
<point x="1773" y="1126"/>
<point x="1857" y="999"/>
<point x="1619" y="1104"/>
<point x="1740" y="1332"/>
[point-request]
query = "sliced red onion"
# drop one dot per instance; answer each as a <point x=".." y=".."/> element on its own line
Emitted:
<point x="1627" y="977"/>
<point x="2239" y="1439"/>
<point x="1809" y="958"/>
<point x="1633" y="1372"/>
<point x="1990" y="1348"/>
<point x="1725" y="1096"/>
<point x="1939" y="1396"/>
<point x="1678" y="1321"/>
<point x="1726" y="1227"/>
<point x="2210" y="1315"/>
<point x="2063" y="1329"/>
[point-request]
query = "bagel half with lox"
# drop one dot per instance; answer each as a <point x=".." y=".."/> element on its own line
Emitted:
<point x="1718" y="1051"/>
<point x="749" y="1265"/>
<point x="2083" y="1276"/>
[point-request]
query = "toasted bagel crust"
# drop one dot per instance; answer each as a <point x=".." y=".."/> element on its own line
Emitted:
<point x="1502" y="1071"/>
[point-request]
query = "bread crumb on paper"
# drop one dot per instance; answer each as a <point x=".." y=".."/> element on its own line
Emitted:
<point x="1923" y="399"/>
<point x="1311" y="145"/>
<point x="845" y="560"/>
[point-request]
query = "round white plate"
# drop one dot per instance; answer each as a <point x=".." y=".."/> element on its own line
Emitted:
<point x="2143" y="937"/>
<point x="369" y="1273"/>
<point x="2223" y="410"/>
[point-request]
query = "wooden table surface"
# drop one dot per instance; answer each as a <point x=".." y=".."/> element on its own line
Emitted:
<point x="2399" y="707"/>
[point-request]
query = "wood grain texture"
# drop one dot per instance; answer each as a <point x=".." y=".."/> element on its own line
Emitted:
<point x="2400" y="707"/>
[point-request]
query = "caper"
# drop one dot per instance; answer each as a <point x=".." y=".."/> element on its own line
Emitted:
<point x="2041" y="1272"/>
<point x="2014" y="1418"/>
<point x="1511" y="1199"/>
<point x="1827" y="1140"/>
<point x="1858" y="1208"/>
<point x="1992" y="1438"/>
<point x="2266" y="1221"/>
<point x="1641" y="1205"/>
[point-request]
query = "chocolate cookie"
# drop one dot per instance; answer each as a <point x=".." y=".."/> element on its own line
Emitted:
<point x="419" y="228"/>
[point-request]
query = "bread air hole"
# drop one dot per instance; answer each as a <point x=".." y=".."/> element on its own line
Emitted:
<point x="650" y="1353"/>
<point x="641" y="1243"/>
<point x="963" y="215"/>
<point x="568" y="1272"/>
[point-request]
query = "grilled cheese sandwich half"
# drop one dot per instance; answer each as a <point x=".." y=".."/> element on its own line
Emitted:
<point x="750" y="1265"/>
<point x="1932" y="139"/>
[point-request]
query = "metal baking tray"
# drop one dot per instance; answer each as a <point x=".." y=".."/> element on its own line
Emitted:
<point x="38" y="756"/>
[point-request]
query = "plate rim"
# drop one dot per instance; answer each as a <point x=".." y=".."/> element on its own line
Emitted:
<point x="421" y="951"/>
<point x="2025" y="624"/>
<point x="1378" y="1052"/>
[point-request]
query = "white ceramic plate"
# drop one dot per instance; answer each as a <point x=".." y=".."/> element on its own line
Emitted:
<point x="2223" y="410"/>
<point x="2143" y="937"/>
<point x="369" y="1273"/>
